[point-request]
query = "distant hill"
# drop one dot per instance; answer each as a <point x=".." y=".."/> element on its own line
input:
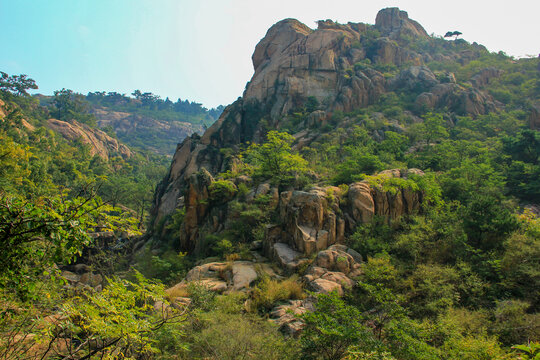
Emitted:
<point x="146" y="121"/>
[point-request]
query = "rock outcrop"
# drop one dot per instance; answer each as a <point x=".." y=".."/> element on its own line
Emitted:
<point x="327" y="66"/>
<point x="286" y="316"/>
<point x="99" y="142"/>
<point x="223" y="276"/>
<point x="396" y="22"/>
<point x="333" y="269"/>
<point x="306" y="221"/>
<point x="311" y="221"/>
<point x="485" y="76"/>
<point x="83" y="279"/>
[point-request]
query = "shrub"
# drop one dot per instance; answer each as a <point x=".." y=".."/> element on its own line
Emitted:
<point x="233" y="336"/>
<point x="433" y="288"/>
<point x="167" y="267"/>
<point x="117" y="320"/>
<point x="201" y="296"/>
<point x="354" y="354"/>
<point x="513" y="324"/>
<point x="223" y="248"/>
<point x="232" y="303"/>
<point x="222" y="190"/>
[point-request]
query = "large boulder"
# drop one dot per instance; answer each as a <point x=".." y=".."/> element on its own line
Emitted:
<point x="219" y="277"/>
<point x="367" y="201"/>
<point x="394" y="22"/>
<point x="485" y="76"/>
<point x="196" y="206"/>
<point x="361" y="201"/>
<point x="334" y="269"/>
<point x="286" y="316"/>
<point x="415" y="78"/>
<point x="461" y="100"/>
<point x="286" y="257"/>
<point x="310" y="223"/>
<point x="387" y="51"/>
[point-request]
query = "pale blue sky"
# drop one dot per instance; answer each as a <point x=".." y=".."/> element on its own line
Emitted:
<point x="201" y="50"/>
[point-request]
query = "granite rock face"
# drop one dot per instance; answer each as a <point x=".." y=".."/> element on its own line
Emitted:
<point x="100" y="143"/>
<point x="220" y="276"/>
<point x="310" y="222"/>
<point x="396" y="22"/>
<point x="294" y="64"/>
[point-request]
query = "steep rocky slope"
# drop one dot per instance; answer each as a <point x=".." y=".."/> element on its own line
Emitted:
<point x="99" y="142"/>
<point x="329" y="66"/>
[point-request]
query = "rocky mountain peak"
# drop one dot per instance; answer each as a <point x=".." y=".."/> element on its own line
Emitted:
<point x="278" y="38"/>
<point x="337" y="67"/>
<point x="394" y="22"/>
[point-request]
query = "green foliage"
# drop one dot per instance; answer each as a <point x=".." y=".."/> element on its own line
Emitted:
<point x="275" y="160"/>
<point x="513" y="324"/>
<point x="119" y="319"/>
<point x="177" y="219"/>
<point x="69" y="106"/>
<point x="529" y="351"/>
<point x="520" y="264"/>
<point x="524" y="172"/>
<point x="357" y="164"/>
<point x="380" y="301"/>
<point x="168" y="267"/>
<point x="354" y="354"/>
<point x="432" y="289"/>
<point x="233" y="336"/>
<point x="36" y="234"/>
<point x="332" y="328"/>
<point x="201" y="296"/>
<point x="223" y="247"/>
<point x="222" y="190"/>
<point x="372" y="238"/>
<point x="487" y="222"/>
<point x="16" y="84"/>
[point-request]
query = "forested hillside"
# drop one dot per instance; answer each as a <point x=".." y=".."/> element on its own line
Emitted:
<point x="374" y="194"/>
<point x="144" y="121"/>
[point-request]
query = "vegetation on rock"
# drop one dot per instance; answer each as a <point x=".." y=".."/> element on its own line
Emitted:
<point x="389" y="210"/>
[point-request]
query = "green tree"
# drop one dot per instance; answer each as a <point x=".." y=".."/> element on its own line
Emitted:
<point x="69" y="106"/>
<point x="122" y="319"/>
<point x="36" y="234"/>
<point x="332" y="328"/>
<point x="434" y="128"/>
<point x="16" y="84"/>
<point x="275" y="160"/>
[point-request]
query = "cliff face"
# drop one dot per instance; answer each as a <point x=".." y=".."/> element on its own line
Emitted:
<point x="294" y="64"/>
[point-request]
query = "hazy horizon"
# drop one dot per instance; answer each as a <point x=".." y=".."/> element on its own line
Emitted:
<point x="201" y="51"/>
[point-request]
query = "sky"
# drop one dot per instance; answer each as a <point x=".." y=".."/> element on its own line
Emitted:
<point x="201" y="49"/>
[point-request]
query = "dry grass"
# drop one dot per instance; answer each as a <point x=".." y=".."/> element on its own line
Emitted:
<point x="269" y="292"/>
<point x="179" y="290"/>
